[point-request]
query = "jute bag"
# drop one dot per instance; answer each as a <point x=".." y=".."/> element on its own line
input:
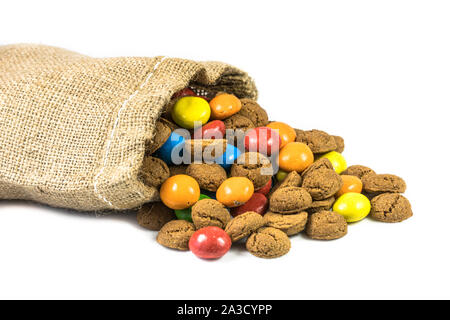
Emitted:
<point x="74" y="129"/>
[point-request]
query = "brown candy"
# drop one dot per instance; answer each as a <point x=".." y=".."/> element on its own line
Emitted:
<point x="322" y="163"/>
<point x="208" y="176"/>
<point x="358" y="171"/>
<point x="340" y="144"/>
<point x="162" y="133"/>
<point x="238" y="122"/>
<point x="321" y="205"/>
<point x="254" y="166"/>
<point x="176" y="234"/>
<point x="291" y="224"/>
<point x="268" y="243"/>
<point x="154" y="216"/>
<point x="154" y="171"/>
<point x="293" y="179"/>
<point x="321" y="181"/>
<point x="318" y="141"/>
<point x="243" y="225"/>
<point x="175" y="170"/>
<point x="381" y="183"/>
<point x="290" y="200"/>
<point x="210" y="212"/>
<point x="253" y="111"/>
<point x="205" y="150"/>
<point x="326" y="225"/>
<point x="390" y="207"/>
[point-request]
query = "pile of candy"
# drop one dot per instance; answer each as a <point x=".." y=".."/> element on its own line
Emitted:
<point x="264" y="185"/>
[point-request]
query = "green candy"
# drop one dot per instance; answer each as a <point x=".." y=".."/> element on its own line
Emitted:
<point x="185" y="214"/>
<point x="281" y="175"/>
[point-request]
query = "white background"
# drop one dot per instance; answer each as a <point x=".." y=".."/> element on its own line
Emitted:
<point x="375" y="72"/>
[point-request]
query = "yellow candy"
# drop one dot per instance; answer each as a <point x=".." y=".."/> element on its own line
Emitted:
<point x="337" y="160"/>
<point x="352" y="206"/>
<point x="189" y="110"/>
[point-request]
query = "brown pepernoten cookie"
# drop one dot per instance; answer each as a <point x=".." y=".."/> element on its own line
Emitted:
<point x="291" y="224"/>
<point x="358" y="171"/>
<point x="175" y="170"/>
<point x="318" y="141"/>
<point x="293" y="179"/>
<point x="210" y="212"/>
<point x="238" y="122"/>
<point x="154" y="216"/>
<point x="172" y="125"/>
<point x="290" y="200"/>
<point x="176" y="234"/>
<point x="208" y="176"/>
<point x="390" y="207"/>
<point x="381" y="183"/>
<point x="243" y="225"/>
<point x="154" y="171"/>
<point x="205" y="150"/>
<point x="322" y="163"/>
<point x="320" y="181"/>
<point x="254" y="166"/>
<point x="162" y="133"/>
<point x="326" y="225"/>
<point x="321" y="205"/>
<point x="340" y="144"/>
<point x="268" y="243"/>
<point x="253" y="111"/>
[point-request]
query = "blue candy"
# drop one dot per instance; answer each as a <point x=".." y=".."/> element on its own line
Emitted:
<point x="175" y="142"/>
<point x="229" y="156"/>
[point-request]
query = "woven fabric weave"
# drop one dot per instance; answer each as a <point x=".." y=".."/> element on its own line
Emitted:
<point x="74" y="129"/>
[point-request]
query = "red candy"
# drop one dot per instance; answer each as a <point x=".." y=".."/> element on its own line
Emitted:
<point x="257" y="203"/>
<point x="212" y="130"/>
<point x="186" y="92"/>
<point x="266" y="189"/>
<point x="262" y="139"/>
<point x="210" y="243"/>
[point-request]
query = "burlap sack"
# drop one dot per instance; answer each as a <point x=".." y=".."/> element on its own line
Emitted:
<point x="73" y="129"/>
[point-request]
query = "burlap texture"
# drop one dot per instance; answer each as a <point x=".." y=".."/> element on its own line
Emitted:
<point x="73" y="129"/>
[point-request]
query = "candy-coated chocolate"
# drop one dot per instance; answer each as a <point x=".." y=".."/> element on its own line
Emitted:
<point x="185" y="214"/>
<point x="210" y="243"/>
<point x="295" y="156"/>
<point x="212" y="130"/>
<point x="224" y="106"/>
<point x="174" y="144"/>
<point x="235" y="191"/>
<point x="257" y="203"/>
<point x="263" y="140"/>
<point x="337" y="160"/>
<point x="189" y="111"/>
<point x="351" y="184"/>
<point x="228" y="157"/>
<point x="352" y="206"/>
<point x="286" y="132"/>
<point x="186" y="92"/>
<point x="281" y="175"/>
<point x="266" y="189"/>
<point x="179" y="192"/>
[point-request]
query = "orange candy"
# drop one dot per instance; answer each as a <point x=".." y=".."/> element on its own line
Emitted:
<point x="235" y="191"/>
<point x="180" y="192"/>
<point x="351" y="184"/>
<point x="224" y="105"/>
<point x="295" y="156"/>
<point x="286" y="132"/>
